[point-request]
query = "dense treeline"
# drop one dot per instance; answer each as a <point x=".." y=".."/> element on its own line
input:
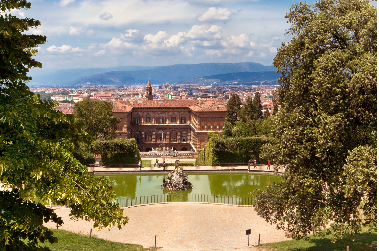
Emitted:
<point x="246" y="129"/>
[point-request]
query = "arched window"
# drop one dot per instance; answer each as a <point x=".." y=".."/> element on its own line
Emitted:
<point x="183" y="119"/>
<point x="174" y="136"/>
<point x="184" y="136"/>
<point x="137" y="120"/>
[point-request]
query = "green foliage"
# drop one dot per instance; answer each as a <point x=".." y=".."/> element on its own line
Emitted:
<point x="117" y="151"/>
<point x="146" y="163"/>
<point x="72" y="242"/>
<point x="233" y="109"/>
<point x="362" y="242"/>
<point x="257" y="106"/>
<point x="85" y="158"/>
<point x="97" y="118"/>
<point x="36" y="144"/>
<point x="205" y="155"/>
<point x="220" y="150"/>
<point x="266" y="114"/>
<point x="325" y="132"/>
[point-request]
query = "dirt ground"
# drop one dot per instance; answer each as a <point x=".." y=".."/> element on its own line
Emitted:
<point x="184" y="226"/>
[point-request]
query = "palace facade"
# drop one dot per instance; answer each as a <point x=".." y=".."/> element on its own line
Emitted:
<point x="181" y="125"/>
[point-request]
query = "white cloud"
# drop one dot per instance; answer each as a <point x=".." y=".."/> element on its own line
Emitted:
<point x="155" y="39"/>
<point x="262" y="54"/>
<point x="65" y="2"/>
<point x="63" y="48"/>
<point x="37" y="32"/>
<point x="234" y="41"/>
<point x="251" y="53"/>
<point x="203" y="32"/>
<point x="90" y="32"/>
<point x="273" y="49"/>
<point x="213" y="52"/>
<point x="75" y="31"/>
<point x="175" y="40"/>
<point x="106" y="16"/>
<point x="115" y="43"/>
<point x="132" y="35"/>
<point x="215" y="14"/>
<point x="99" y="53"/>
<point x="22" y="14"/>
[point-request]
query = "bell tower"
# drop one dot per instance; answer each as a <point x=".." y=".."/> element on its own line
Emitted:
<point x="149" y="91"/>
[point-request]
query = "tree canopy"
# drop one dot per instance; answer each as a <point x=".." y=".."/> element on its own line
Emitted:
<point x="97" y="118"/>
<point x="325" y="132"/>
<point x="233" y="109"/>
<point x="36" y="144"/>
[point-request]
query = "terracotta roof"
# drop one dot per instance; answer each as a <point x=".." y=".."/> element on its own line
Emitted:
<point x="195" y="105"/>
<point x="164" y="103"/>
<point x="121" y="107"/>
<point x="209" y="105"/>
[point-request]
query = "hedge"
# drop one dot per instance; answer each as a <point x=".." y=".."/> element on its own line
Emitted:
<point x="231" y="150"/>
<point x="117" y="151"/>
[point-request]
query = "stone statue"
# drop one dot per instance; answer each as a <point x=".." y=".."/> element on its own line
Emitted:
<point x="176" y="180"/>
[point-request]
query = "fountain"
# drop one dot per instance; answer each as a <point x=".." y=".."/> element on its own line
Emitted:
<point x="176" y="180"/>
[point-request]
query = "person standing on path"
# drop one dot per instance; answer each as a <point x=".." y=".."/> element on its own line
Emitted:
<point x="248" y="164"/>
<point x="255" y="163"/>
<point x="268" y="165"/>
<point x="140" y="164"/>
<point x="164" y="164"/>
<point x="156" y="163"/>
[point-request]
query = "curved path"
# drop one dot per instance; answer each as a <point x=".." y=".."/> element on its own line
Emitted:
<point x="184" y="226"/>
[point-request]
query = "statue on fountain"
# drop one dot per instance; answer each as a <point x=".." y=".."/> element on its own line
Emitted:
<point x="176" y="180"/>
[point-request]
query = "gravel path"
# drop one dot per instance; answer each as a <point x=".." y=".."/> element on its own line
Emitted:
<point x="184" y="226"/>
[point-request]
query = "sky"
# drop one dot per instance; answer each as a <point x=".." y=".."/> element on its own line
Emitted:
<point x="110" y="33"/>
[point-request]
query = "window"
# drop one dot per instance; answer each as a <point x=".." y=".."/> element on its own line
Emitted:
<point x="173" y="119"/>
<point x="173" y="136"/>
<point x="148" y="137"/>
<point x="137" y="120"/>
<point x="183" y="120"/>
<point x="138" y="137"/>
<point x="184" y="136"/>
<point x="160" y="120"/>
<point x="147" y="119"/>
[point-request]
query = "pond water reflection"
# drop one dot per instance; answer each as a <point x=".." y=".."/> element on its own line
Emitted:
<point x="144" y="187"/>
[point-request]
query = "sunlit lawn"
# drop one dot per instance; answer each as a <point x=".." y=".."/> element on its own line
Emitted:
<point x="363" y="242"/>
<point x="68" y="241"/>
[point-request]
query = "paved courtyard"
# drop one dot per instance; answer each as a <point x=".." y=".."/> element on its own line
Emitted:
<point x="184" y="226"/>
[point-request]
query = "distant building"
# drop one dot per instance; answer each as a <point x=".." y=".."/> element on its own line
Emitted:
<point x="182" y="125"/>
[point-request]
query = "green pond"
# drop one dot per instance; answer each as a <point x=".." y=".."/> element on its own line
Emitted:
<point x="230" y="188"/>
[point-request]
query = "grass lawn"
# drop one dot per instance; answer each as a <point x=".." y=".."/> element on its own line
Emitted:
<point x="146" y="163"/>
<point x="68" y="241"/>
<point x="363" y="242"/>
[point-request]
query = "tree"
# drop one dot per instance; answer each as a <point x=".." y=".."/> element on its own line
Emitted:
<point x="257" y="104"/>
<point x="247" y="112"/>
<point x="326" y="127"/>
<point x="266" y="114"/>
<point x="36" y="144"/>
<point x="97" y="118"/>
<point x="275" y="109"/>
<point x="233" y="109"/>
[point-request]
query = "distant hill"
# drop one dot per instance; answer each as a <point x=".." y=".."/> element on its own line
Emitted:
<point x="267" y="77"/>
<point x="158" y="75"/>
<point x="71" y="76"/>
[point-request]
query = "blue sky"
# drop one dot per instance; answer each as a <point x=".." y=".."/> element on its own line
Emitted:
<point x="109" y="33"/>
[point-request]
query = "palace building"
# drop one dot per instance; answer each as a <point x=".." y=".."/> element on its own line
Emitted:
<point x="181" y="125"/>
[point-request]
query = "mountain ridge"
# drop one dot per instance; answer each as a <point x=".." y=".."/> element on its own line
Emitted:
<point x="157" y="74"/>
